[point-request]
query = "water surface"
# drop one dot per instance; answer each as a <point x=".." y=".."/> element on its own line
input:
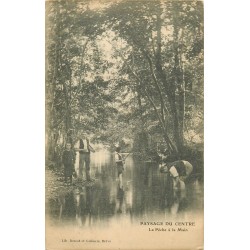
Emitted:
<point x="141" y="197"/>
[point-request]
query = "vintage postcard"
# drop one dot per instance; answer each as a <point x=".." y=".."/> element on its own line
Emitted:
<point x="124" y="124"/>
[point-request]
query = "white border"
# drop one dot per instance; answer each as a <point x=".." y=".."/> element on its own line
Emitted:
<point x="226" y="124"/>
<point x="22" y="124"/>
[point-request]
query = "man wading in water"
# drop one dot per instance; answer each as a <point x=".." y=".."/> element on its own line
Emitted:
<point x="119" y="164"/>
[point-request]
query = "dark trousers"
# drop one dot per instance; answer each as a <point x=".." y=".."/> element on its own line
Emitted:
<point x="84" y="161"/>
<point x="120" y="168"/>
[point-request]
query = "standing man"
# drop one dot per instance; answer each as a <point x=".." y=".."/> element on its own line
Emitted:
<point x="83" y="148"/>
<point x="119" y="164"/>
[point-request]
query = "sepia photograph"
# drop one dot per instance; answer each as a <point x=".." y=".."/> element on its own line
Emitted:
<point x="124" y="136"/>
<point x="118" y="131"/>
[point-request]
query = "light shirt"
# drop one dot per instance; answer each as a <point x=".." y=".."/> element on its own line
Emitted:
<point x="118" y="157"/>
<point x="173" y="171"/>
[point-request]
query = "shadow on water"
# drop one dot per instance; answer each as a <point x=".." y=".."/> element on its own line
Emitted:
<point x="144" y="195"/>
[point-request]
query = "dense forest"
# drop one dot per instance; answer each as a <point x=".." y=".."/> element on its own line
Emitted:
<point x="125" y="71"/>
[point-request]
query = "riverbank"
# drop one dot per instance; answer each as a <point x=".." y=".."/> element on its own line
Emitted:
<point x="54" y="184"/>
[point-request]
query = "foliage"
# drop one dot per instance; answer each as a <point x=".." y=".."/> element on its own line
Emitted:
<point x="124" y="71"/>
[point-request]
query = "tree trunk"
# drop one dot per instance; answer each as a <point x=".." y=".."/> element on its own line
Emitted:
<point x="169" y="88"/>
<point x="50" y="88"/>
<point x="178" y="110"/>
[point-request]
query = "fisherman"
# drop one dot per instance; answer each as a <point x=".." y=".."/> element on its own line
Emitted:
<point x="179" y="170"/>
<point x="119" y="164"/>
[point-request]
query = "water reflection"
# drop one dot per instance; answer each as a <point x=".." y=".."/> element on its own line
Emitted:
<point x="145" y="194"/>
<point x="83" y="199"/>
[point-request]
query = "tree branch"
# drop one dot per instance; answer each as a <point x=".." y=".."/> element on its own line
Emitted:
<point x="163" y="106"/>
<point x="162" y="122"/>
